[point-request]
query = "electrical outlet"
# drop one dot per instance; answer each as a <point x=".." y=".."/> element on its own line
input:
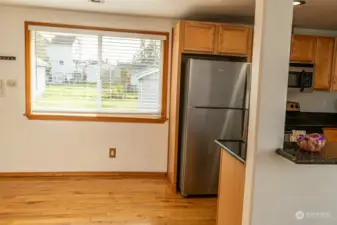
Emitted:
<point x="112" y="153"/>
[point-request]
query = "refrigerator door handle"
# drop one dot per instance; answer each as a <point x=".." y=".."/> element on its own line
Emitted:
<point x="248" y="89"/>
<point x="248" y="84"/>
<point x="245" y="126"/>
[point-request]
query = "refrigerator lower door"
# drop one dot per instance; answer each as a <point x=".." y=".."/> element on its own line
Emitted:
<point x="200" y="156"/>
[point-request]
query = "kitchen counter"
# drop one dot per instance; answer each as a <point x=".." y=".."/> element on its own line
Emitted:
<point x="232" y="175"/>
<point x="237" y="149"/>
<point x="292" y="152"/>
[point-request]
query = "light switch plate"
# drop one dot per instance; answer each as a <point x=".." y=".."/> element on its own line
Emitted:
<point x="2" y="88"/>
<point x="11" y="83"/>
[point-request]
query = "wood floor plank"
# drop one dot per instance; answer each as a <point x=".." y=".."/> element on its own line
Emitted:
<point x="99" y="201"/>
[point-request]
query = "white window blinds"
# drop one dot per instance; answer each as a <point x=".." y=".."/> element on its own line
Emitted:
<point x="78" y="71"/>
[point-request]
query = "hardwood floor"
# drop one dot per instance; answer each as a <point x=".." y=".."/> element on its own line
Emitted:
<point x="100" y="201"/>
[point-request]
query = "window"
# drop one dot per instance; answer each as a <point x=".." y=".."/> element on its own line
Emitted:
<point x="96" y="74"/>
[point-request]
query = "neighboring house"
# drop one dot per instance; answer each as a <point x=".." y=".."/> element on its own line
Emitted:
<point x="39" y="79"/>
<point x="108" y="73"/>
<point x="60" y="53"/>
<point x="65" y="68"/>
<point x="148" y="88"/>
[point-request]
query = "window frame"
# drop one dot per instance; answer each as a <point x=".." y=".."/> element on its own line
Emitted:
<point x="94" y="117"/>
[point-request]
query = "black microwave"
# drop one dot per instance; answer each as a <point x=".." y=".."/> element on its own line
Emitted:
<point x="301" y="76"/>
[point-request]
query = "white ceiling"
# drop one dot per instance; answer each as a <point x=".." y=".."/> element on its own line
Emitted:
<point x="315" y="14"/>
<point x="319" y="14"/>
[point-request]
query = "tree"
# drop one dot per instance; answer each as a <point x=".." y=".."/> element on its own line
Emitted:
<point x="41" y="44"/>
<point x="148" y="54"/>
<point x="140" y="54"/>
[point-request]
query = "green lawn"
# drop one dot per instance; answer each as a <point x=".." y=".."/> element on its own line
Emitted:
<point x="84" y="96"/>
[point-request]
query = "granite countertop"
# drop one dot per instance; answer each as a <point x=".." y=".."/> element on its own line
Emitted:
<point x="235" y="148"/>
<point x="292" y="152"/>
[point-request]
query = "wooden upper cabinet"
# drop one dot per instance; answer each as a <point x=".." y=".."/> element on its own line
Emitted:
<point x="324" y="62"/>
<point x="216" y="38"/>
<point x="303" y="49"/>
<point x="334" y="70"/>
<point x="234" y="40"/>
<point x="199" y="37"/>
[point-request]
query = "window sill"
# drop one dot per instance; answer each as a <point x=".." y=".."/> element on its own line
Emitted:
<point x="94" y="118"/>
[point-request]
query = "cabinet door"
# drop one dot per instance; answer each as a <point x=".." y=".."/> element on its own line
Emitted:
<point x="234" y="40"/>
<point x="334" y="71"/>
<point x="323" y="62"/>
<point x="199" y="37"/>
<point x="330" y="135"/>
<point x="231" y="190"/>
<point x="303" y="49"/>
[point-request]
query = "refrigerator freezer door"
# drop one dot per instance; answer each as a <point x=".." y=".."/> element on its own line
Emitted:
<point x="216" y="83"/>
<point x="200" y="156"/>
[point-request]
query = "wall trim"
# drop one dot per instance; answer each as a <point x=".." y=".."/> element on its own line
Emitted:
<point x="84" y="174"/>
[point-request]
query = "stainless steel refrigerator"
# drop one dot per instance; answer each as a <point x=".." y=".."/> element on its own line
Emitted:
<point x="215" y="106"/>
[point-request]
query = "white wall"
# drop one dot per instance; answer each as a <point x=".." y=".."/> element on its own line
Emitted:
<point x="318" y="101"/>
<point x="70" y="146"/>
<point x="276" y="188"/>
